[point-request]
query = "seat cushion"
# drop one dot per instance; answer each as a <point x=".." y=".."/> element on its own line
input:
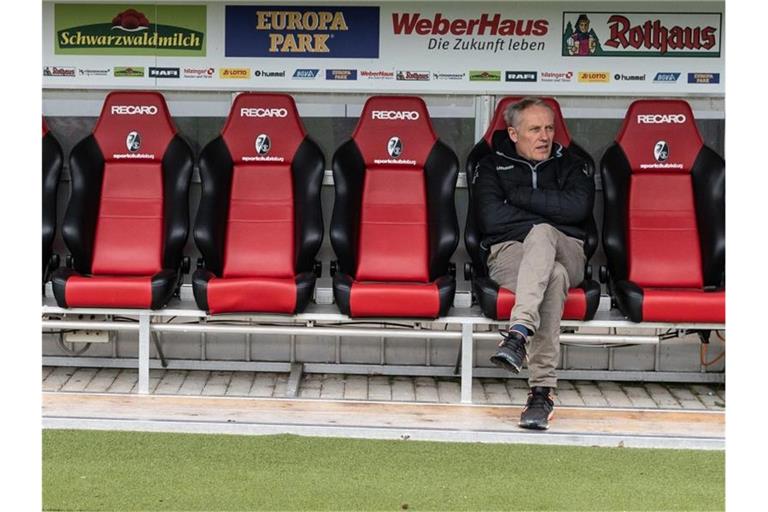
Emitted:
<point x="497" y="302"/>
<point x="252" y="294"/>
<point x="670" y="304"/>
<point x="72" y="289"/>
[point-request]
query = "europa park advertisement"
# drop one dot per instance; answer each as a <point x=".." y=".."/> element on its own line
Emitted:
<point x="601" y="48"/>
<point x="130" y="29"/>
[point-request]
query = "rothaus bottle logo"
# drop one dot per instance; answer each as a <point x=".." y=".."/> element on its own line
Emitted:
<point x="263" y="144"/>
<point x="133" y="141"/>
<point x="395" y="147"/>
<point x="661" y="151"/>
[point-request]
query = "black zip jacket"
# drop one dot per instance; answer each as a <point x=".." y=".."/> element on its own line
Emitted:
<point x="511" y="194"/>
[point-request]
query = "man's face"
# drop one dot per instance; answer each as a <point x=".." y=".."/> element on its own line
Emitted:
<point x="534" y="134"/>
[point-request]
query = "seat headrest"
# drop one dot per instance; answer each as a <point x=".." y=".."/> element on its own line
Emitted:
<point x="263" y="128"/>
<point x="562" y="136"/>
<point x="660" y="136"/>
<point x="134" y="126"/>
<point x="395" y="131"/>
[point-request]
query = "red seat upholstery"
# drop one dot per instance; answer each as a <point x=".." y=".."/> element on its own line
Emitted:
<point x="260" y="221"/>
<point x="394" y="224"/>
<point x="128" y="215"/>
<point x="52" y="163"/>
<point x="664" y="228"/>
<point x="496" y="302"/>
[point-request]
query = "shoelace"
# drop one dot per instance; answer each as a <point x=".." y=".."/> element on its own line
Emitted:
<point x="512" y="342"/>
<point x="539" y="401"/>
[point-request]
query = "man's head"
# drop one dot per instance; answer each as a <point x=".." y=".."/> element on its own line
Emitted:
<point x="531" y="126"/>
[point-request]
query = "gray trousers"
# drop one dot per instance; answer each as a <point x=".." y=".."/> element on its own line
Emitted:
<point x="539" y="270"/>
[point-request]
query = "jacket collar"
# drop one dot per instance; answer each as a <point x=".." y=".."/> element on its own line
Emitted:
<point x="506" y="148"/>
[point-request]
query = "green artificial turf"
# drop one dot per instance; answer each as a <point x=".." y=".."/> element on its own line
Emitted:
<point x="96" y="470"/>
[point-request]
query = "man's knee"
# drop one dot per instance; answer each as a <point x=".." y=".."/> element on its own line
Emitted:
<point x="541" y="232"/>
<point x="558" y="279"/>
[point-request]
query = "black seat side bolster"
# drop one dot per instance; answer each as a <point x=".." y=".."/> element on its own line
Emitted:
<point x="589" y="225"/>
<point x="305" y="286"/>
<point x="59" y="282"/>
<point x="308" y="169"/>
<point x="52" y="163"/>
<point x="441" y="171"/>
<point x="348" y="178"/>
<point x="86" y="169"/>
<point x="487" y="292"/>
<point x="592" y="296"/>
<point x="210" y="229"/>
<point x="629" y="298"/>
<point x="708" y="177"/>
<point x="446" y="289"/>
<point x="615" y="173"/>
<point x="472" y="233"/>
<point x="200" y="280"/>
<point x="177" y="165"/>
<point x="342" y="292"/>
<point x="163" y="286"/>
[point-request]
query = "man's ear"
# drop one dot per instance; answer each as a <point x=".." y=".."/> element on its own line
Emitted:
<point x="512" y="134"/>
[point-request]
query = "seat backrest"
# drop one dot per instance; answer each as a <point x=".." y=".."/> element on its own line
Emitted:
<point x="497" y="130"/>
<point x="128" y="213"/>
<point x="394" y="218"/>
<point x="664" y="193"/>
<point x="260" y="213"/>
<point x="52" y="163"/>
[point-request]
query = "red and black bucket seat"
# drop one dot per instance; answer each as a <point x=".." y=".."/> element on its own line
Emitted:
<point x="52" y="162"/>
<point x="127" y="218"/>
<point x="260" y="221"/>
<point x="394" y="225"/>
<point x="664" y="226"/>
<point x="496" y="302"/>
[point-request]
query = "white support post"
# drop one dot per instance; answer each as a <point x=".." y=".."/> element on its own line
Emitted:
<point x="467" y="353"/>
<point x="144" y="334"/>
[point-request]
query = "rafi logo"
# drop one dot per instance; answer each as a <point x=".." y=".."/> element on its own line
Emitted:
<point x="305" y="74"/>
<point x="133" y="110"/>
<point x="263" y="144"/>
<point x="301" y="32"/>
<point x="521" y="76"/>
<point x="666" y="78"/>
<point x="395" y="147"/>
<point x="263" y="112"/>
<point x="164" y="72"/>
<point x="661" y="118"/>
<point x="392" y="115"/>
<point x="133" y="142"/>
<point x="661" y="151"/>
<point x="703" y="78"/>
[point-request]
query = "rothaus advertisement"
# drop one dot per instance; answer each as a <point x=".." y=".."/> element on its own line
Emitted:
<point x="623" y="48"/>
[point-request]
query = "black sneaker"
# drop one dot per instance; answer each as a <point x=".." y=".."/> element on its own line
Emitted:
<point x="538" y="410"/>
<point x="511" y="352"/>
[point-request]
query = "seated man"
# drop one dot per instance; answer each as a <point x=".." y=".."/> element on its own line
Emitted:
<point x="531" y="198"/>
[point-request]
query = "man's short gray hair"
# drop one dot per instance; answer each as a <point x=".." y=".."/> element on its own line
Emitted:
<point x="512" y="112"/>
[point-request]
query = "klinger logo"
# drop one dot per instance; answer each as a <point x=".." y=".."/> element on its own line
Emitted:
<point x="661" y="119"/>
<point x="263" y="112"/>
<point x="391" y="115"/>
<point x="263" y="144"/>
<point x="394" y="147"/>
<point x="134" y="110"/>
<point x="661" y="151"/>
<point x="133" y="141"/>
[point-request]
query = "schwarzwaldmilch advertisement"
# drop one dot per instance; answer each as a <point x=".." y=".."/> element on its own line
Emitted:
<point x="622" y="48"/>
